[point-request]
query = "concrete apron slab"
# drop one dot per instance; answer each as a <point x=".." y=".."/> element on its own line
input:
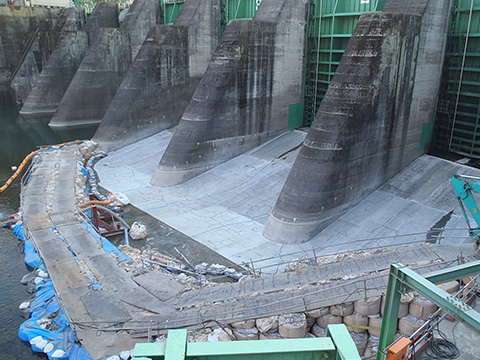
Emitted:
<point x="226" y="208"/>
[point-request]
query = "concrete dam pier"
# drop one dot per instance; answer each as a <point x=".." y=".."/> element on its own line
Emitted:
<point x="223" y="96"/>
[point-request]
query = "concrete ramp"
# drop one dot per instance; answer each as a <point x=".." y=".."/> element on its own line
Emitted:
<point x="370" y="124"/>
<point x="163" y="77"/>
<point x="242" y="100"/>
<point x="52" y="82"/>
<point x="57" y="74"/>
<point x="96" y="80"/>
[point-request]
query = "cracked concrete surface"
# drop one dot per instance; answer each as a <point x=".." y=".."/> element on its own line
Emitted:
<point x="227" y="207"/>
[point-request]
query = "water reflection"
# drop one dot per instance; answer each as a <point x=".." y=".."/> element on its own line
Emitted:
<point x="18" y="137"/>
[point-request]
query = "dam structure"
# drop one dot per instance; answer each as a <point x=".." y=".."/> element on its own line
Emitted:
<point x="276" y="134"/>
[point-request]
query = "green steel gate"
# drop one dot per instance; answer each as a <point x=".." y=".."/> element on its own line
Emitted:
<point x="230" y="10"/>
<point x="330" y="26"/>
<point x="457" y="126"/>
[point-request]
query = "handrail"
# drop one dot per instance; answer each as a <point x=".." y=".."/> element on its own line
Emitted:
<point x="24" y="55"/>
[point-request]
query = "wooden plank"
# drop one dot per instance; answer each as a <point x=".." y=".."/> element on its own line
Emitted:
<point x="105" y="306"/>
<point x="159" y="285"/>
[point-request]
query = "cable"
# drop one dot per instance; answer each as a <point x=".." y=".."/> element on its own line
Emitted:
<point x="442" y="348"/>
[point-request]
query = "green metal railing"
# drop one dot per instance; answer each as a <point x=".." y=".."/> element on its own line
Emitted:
<point x="330" y="26"/>
<point x="336" y="345"/>
<point x="458" y="111"/>
<point x="402" y="280"/>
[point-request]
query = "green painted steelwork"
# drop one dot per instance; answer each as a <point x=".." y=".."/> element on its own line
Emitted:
<point x="329" y="28"/>
<point x="237" y="10"/>
<point x="337" y="345"/>
<point x="458" y="111"/>
<point x="170" y="10"/>
<point x="295" y="116"/>
<point x="402" y="280"/>
<point x="89" y="5"/>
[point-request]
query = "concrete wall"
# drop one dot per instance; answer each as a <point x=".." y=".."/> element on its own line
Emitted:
<point x="240" y="101"/>
<point x="53" y="81"/>
<point x="17" y="28"/>
<point x="159" y="84"/>
<point x="72" y="19"/>
<point x="104" y="15"/>
<point x="202" y="18"/>
<point x="153" y="94"/>
<point x="367" y="127"/>
<point x="142" y="15"/>
<point x="96" y="80"/>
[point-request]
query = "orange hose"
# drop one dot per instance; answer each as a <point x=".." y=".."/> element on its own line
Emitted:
<point x="95" y="202"/>
<point x="24" y="163"/>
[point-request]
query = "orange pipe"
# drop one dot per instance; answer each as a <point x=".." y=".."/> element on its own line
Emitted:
<point x="95" y="202"/>
<point x="24" y="163"/>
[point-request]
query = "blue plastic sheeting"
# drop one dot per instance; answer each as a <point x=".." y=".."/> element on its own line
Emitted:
<point x="87" y="185"/>
<point x="31" y="256"/>
<point x="57" y="337"/>
<point x="105" y="244"/>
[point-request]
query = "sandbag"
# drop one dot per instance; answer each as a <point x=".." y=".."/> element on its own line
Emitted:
<point x="138" y="231"/>
<point x="356" y="323"/>
<point x="318" y="331"/>
<point x="360" y="341"/>
<point x="119" y="199"/>
<point x="247" y="324"/>
<point x="327" y="319"/>
<point x="246" y="334"/>
<point x="409" y="324"/>
<point x="269" y="336"/>
<point x="374" y="325"/>
<point x="422" y="308"/>
<point x="317" y="312"/>
<point x="367" y="307"/>
<point x="405" y="301"/>
<point x="220" y="334"/>
<point x="292" y="326"/>
<point x="450" y="287"/>
<point x="342" y="309"/>
<point x="268" y="324"/>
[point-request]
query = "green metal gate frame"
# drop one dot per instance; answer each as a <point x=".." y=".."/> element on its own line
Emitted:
<point x="330" y="26"/>
<point x="457" y="124"/>
<point x="337" y="345"/>
<point x="402" y="280"/>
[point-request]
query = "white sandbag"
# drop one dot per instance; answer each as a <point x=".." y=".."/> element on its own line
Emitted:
<point x="309" y="336"/>
<point x="119" y="199"/>
<point x="49" y="347"/>
<point x="220" y="334"/>
<point x="360" y="341"/>
<point x="318" y="331"/>
<point x="367" y="307"/>
<point x="138" y="231"/>
<point x="126" y="354"/>
<point x="24" y="305"/>
<point x="342" y="309"/>
<point x="405" y="301"/>
<point x="57" y="354"/>
<point x="327" y="319"/>
<point x="268" y="324"/>
<point x="247" y="324"/>
<point x="292" y="326"/>
<point x="269" y="336"/>
<point x="450" y="287"/>
<point x="246" y="334"/>
<point x="356" y="323"/>
<point x="374" y="325"/>
<point x="317" y="312"/>
<point x="409" y="324"/>
<point x="422" y="308"/>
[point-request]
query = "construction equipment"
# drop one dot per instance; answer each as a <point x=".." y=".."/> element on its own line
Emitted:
<point x="464" y="186"/>
<point x="403" y="280"/>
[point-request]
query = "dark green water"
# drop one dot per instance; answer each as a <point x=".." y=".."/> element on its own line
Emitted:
<point x="18" y="137"/>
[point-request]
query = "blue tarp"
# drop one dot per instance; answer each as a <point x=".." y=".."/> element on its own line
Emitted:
<point x="105" y="244"/>
<point x="57" y="336"/>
